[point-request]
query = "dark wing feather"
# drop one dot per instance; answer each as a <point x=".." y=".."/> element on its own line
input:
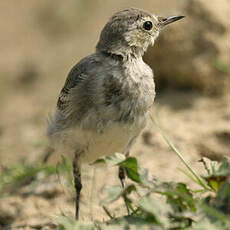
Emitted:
<point x="73" y="79"/>
<point x="59" y="121"/>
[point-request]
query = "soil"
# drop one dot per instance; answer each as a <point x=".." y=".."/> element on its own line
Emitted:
<point x="199" y="126"/>
<point x="35" y="58"/>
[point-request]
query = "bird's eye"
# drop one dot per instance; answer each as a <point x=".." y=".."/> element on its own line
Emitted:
<point x="148" y="25"/>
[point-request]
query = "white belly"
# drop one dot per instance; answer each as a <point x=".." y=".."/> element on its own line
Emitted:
<point x="115" y="138"/>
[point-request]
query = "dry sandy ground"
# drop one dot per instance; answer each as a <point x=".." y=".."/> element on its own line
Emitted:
<point x="36" y="54"/>
<point x="197" y="125"/>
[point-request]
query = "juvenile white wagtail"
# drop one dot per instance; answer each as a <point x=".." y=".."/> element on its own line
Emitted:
<point x="107" y="96"/>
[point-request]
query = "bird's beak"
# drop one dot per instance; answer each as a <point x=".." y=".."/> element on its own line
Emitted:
<point x="163" y="21"/>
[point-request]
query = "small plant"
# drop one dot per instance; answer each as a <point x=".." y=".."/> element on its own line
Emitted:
<point x="167" y="205"/>
<point x="164" y="205"/>
<point x="14" y="177"/>
<point x="153" y="204"/>
<point x="224" y="68"/>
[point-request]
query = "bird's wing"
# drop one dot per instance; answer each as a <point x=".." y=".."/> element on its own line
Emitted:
<point x="88" y="96"/>
<point x="81" y="90"/>
<point x="75" y="76"/>
<point x="60" y="120"/>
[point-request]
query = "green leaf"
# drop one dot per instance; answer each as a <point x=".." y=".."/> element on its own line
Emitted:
<point x="218" y="173"/>
<point x="98" y="161"/>
<point x="213" y="183"/>
<point x="223" y="67"/>
<point x="222" y="200"/>
<point x="157" y="210"/>
<point x="224" y="168"/>
<point x="145" y="181"/>
<point x="114" y="159"/>
<point x="114" y="193"/>
<point x="178" y="196"/>
<point x="210" y="166"/>
<point x="131" y="166"/>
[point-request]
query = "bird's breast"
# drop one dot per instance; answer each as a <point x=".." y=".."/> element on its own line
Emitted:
<point x="139" y="89"/>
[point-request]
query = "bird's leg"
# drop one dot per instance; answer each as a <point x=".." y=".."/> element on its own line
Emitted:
<point x="121" y="175"/>
<point x="77" y="182"/>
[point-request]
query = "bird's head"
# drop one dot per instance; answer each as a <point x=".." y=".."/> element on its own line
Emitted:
<point x="131" y="31"/>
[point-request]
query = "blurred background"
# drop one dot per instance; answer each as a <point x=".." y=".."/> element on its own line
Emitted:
<point x="41" y="40"/>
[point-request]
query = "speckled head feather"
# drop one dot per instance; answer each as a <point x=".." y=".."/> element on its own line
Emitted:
<point x="125" y="35"/>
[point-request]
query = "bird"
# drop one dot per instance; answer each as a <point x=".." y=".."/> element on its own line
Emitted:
<point x="107" y="96"/>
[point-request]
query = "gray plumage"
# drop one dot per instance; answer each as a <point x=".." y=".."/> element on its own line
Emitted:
<point x="107" y="97"/>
